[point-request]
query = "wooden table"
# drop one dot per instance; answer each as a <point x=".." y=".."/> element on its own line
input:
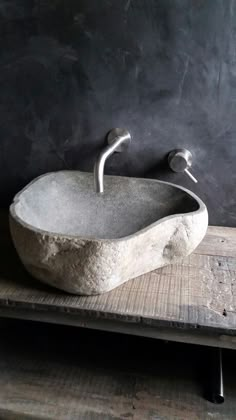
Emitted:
<point x="193" y="301"/>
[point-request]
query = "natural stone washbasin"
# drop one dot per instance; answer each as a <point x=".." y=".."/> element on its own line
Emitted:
<point x="74" y="239"/>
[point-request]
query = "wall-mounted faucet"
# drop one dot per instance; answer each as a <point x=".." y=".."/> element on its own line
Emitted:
<point x="180" y="160"/>
<point x="118" y="140"/>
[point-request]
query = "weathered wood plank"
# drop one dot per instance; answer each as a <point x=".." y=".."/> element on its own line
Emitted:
<point x="198" y="293"/>
<point x="184" y="334"/>
<point x="63" y="374"/>
<point x="219" y="241"/>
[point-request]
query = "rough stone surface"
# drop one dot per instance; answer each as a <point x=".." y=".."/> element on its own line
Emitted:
<point x="71" y="238"/>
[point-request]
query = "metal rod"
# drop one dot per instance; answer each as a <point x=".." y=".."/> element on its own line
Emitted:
<point x="117" y="138"/>
<point x="191" y="176"/>
<point x="216" y="391"/>
<point x="100" y="163"/>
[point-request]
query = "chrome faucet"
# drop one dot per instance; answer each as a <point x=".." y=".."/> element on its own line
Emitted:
<point x="180" y="160"/>
<point x="118" y="140"/>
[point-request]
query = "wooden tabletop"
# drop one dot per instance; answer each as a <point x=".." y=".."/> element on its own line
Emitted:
<point x="192" y="301"/>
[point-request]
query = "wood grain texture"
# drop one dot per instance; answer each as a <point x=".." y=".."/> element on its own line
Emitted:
<point x="197" y="295"/>
<point x="219" y="241"/>
<point x="69" y="374"/>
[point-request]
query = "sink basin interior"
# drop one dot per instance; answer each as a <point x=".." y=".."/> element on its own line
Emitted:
<point x="65" y="203"/>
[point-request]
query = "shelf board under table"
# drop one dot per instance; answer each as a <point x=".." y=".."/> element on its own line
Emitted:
<point x="193" y="301"/>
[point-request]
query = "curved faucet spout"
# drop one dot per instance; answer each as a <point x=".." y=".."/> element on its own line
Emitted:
<point x="116" y="140"/>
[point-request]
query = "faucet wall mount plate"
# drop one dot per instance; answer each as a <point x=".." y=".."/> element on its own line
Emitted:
<point x="119" y="132"/>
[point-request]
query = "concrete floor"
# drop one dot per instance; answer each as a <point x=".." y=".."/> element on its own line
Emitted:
<point x="55" y="372"/>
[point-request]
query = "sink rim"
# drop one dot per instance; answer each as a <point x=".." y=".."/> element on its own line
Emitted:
<point x="202" y="208"/>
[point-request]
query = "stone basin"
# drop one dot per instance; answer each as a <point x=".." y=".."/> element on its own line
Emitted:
<point x="76" y="240"/>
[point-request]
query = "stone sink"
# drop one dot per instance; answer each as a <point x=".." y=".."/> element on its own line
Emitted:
<point x="76" y="240"/>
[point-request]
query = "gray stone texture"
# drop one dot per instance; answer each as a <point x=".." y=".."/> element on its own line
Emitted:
<point x="71" y="238"/>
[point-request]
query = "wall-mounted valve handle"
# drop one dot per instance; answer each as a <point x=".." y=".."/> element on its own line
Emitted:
<point x="180" y="160"/>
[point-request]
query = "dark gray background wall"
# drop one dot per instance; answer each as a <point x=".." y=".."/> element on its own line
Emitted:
<point x="70" y="70"/>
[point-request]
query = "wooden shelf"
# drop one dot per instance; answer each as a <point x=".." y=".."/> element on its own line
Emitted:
<point x="193" y="301"/>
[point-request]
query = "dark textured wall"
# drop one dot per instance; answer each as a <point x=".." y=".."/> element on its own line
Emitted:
<point x="70" y="70"/>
